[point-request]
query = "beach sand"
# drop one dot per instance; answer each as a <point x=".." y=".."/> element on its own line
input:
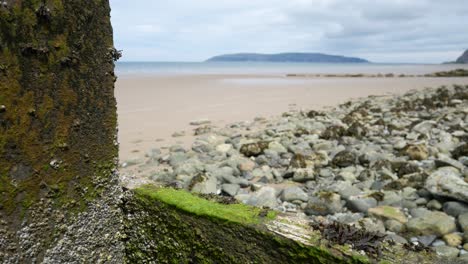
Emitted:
<point x="152" y="108"/>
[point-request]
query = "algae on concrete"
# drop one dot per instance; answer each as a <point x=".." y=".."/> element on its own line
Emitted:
<point x="57" y="132"/>
<point x="173" y="226"/>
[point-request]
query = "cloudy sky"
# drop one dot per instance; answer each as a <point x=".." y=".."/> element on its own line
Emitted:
<point x="423" y="31"/>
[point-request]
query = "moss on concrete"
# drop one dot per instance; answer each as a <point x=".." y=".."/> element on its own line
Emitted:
<point x="185" y="201"/>
<point x="58" y="126"/>
<point x="173" y="226"/>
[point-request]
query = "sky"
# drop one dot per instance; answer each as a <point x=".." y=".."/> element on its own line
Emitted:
<point x="392" y="31"/>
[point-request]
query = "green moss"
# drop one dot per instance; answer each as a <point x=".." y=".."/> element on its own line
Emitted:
<point x="183" y="200"/>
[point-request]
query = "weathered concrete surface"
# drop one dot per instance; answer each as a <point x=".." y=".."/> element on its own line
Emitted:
<point x="173" y="226"/>
<point x="58" y="183"/>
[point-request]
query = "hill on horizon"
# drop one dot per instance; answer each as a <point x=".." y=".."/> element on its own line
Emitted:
<point x="463" y="58"/>
<point x="286" y="57"/>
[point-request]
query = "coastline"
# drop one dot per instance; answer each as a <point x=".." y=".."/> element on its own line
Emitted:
<point x="151" y="108"/>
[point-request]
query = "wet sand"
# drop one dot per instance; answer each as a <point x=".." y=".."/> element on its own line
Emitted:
<point x="152" y="108"/>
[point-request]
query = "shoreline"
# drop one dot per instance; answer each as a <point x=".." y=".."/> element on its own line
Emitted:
<point x="395" y="165"/>
<point x="145" y="102"/>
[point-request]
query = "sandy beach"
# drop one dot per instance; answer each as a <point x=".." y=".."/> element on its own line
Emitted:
<point x="152" y="108"/>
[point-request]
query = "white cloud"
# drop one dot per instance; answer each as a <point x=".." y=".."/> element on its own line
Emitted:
<point x="384" y="30"/>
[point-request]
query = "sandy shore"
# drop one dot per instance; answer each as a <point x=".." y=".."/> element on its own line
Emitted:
<point x="152" y="108"/>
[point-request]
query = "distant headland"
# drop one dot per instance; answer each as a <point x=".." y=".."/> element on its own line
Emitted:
<point x="286" y="57"/>
<point x="463" y="58"/>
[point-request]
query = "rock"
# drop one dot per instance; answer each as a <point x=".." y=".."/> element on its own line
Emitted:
<point x="463" y="221"/>
<point x="303" y="175"/>
<point x="434" y="205"/>
<point x="203" y="184"/>
<point x="417" y="152"/>
<point x="372" y="225"/>
<point x="444" y="162"/>
<point x="391" y="198"/>
<point x="189" y="167"/>
<point x="424" y="127"/>
<point x="344" y="159"/>
<point x="388" y="212"/>
<point x="426" y="240"/>
<point x="200" y="122"/>
<point x="396" y="238"/>
<point x="460" y="151"/>
<point x="246" y="166"/>
<point x="224" y="148"/>
<point x="344" y="189"/>
<point x="178" y="134"/>
<point x="455" y="208"/>
<point x="266" y="197"/>
<point x="433" y="223"/>
<point x="419" y="212"/>
<point x="202" y="130"/>
<point x="294" y="194"/>
<point x="299" y="161"/>
<point x="177" y="158"/>
<point x="447" y="182"/>
<point x="230" y="189"/>
<point x="324" y="203"/>
<point x="346" y="176"/>
<point x="125" y="164"/>
<point x="361" y="205"/>
<point x="453" y="239"/>
<point x="253" y="149"/>
<point x="394" y="226"/>
<point x="446" y="252"/>
<point x="277" y="147"/>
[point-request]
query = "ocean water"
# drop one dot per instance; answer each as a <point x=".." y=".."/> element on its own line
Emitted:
<point x="191" y="68"/>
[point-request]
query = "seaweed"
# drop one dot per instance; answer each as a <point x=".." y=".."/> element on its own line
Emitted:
<point x="359" y="239"/>
<point x="417" y="247"/>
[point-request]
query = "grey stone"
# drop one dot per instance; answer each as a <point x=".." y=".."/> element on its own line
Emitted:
<point x="324" y="203"/>
<point x="419" y="212"/>
<point x="344" y="189"/>
<point x="294" y="193"/>
<point x="447" y="182"/>
<point x="463" y="221"/>
<point x="455" y="208"/>
<point x="434" y="205"/>
<point x="204" y="184"/>
<point x="446" y="251"/>
<point x="358" y="204"/>
<point x="433" y="223"/>
<point x="427" y="240"/>
<point x="177" y="158"/>
<point x="344" y="159"/>
<point x="394" y="226"/>
<point x="303" y="175"/>
<point x="266" y="196"/>
<point x="230" y="189"/>
<point x="277" y="147"/>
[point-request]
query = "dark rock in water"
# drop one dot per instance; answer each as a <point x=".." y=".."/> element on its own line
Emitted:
<point x="344" y="159"/>
<point x="254" y="149"/>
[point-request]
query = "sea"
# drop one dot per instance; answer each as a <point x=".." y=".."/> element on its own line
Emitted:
<point x="275" y="68"/>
